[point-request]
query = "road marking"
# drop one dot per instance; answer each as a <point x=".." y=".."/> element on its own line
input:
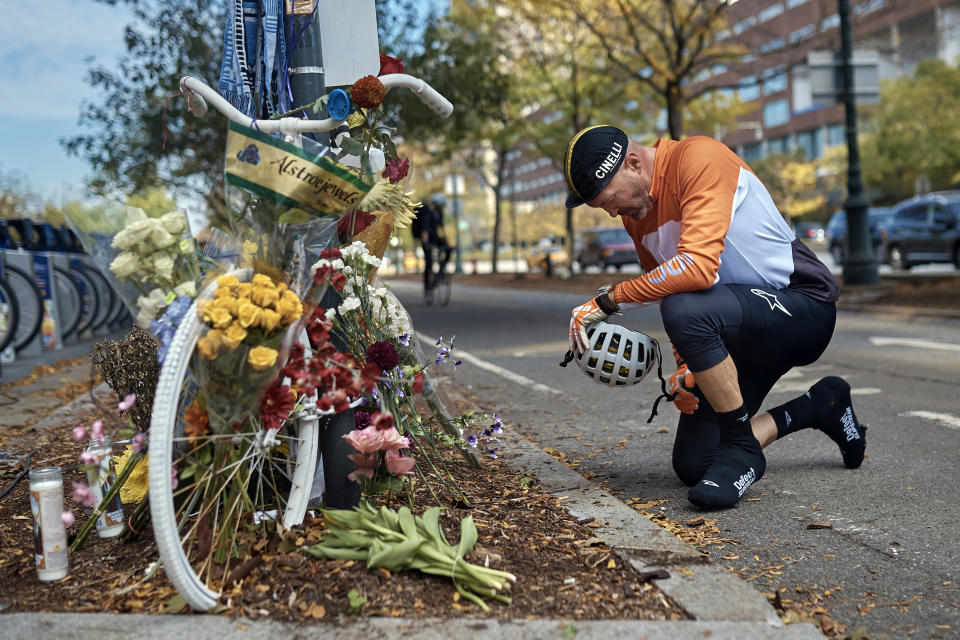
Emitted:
<point x="946" y="419"/>
<point x="917" y="343"/>
<point x="492" y="368"/>
<point x="864" y="391"/>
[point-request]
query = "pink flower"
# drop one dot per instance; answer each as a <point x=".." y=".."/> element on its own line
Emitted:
<point x="96" y="431"/>
<point x="67" y="518"/>
<point x="89" y="457"/>
<point x="173" y="478"/>
<point x="398" y="464"/>
<point x="127" y="402"/>
<point x="382" y="420"/>
<point x="366" y="465"/>
<point x="137" y="444"/>
<point x="367" y="440"/>
<point x="79" y="433"/>
<point x="83" y="495"/>
<point x="393" y="441"/>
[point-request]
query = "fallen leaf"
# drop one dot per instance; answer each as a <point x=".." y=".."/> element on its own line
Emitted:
<point x="316" y="611"/>
<point x="820" y="524"/>
<point x="612" y="564"/>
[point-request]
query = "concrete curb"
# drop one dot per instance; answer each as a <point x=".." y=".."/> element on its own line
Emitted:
<point x="707" y="591"/>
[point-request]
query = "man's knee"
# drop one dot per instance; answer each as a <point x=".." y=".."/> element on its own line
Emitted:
<point x="685" y="319"/>
<point x="689" y="470"/>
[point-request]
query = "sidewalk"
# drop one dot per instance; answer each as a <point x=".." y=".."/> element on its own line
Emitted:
<point x="721" y="605"/>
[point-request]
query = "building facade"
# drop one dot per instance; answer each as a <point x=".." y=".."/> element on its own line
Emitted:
<point x="792" y="68"/>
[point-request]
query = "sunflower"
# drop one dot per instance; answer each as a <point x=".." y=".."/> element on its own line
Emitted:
<point x="135" y="488"/>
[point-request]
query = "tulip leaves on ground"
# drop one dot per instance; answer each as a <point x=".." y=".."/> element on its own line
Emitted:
<point x="399" y="540"/>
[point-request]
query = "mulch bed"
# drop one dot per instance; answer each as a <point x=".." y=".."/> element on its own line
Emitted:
<point x="562" y="569"/>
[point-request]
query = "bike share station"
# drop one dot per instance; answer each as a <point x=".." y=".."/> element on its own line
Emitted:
<point x="59" y="297"/>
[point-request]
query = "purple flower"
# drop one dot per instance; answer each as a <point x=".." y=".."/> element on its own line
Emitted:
<point x="361" y="419"/>
<point x="137" y="444"/>
<point x="404" y="339"/>
<point x="472" y="441"/>
<point x="493" y="452"/>
<point x="439" y="341"/>
<point x="497" y="426"/>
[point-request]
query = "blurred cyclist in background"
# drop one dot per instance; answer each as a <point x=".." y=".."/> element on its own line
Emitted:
<point x="427" y="228"/>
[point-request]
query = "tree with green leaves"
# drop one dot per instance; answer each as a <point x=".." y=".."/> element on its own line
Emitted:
<point x="915" y="131"/>
<point x="661" y="44"/>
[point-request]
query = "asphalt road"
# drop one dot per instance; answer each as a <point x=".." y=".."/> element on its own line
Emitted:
<point x="890" y="564"/>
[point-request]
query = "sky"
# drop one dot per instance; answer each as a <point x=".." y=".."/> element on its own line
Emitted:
<point x="45" y="49"/>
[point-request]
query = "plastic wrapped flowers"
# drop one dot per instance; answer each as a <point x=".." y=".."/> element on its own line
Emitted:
<point x="238" y="355"/>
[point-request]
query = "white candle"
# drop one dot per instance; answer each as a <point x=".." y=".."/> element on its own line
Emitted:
<point x="49" y="534"/>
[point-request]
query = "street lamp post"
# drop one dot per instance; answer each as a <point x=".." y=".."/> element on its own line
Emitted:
<point x="455" y="206"/>
<point x="860" y="267"/>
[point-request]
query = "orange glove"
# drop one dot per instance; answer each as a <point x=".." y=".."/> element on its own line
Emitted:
<point x="682" y="384"/>
<point x="580" y="318"/>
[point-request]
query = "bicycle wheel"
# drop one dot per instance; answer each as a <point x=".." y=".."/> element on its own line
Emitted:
<point x="9" y="315"/>
<point x="90" y="300"/>
<point x="29" y="303"/>
<point x="69" y="302"/>
<point x="230" y="488"/>
<point x="105" y="296"/>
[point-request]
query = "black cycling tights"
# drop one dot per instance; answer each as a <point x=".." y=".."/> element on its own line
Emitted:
<point x="767" y="332"/>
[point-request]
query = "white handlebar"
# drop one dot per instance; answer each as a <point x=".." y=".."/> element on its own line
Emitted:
<point x="200" y="95"/>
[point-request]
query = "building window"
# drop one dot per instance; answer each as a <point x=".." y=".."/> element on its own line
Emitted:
<point x="748" y="89"/>
<point x="830" y="21"/>
<point x="752" y="152"/>
<point x="807" y="140"/>
<point x="773" y="45"/>
<point x="774" y="80"/>
<point x="802" y="33"/>
<point x="778" y="145"/>
<point x="836" y="134"/>
<point x="770" y="12"/>
<point x="776" y="113"/>
<point x="744" y="24"/>
<point x="795" y="3"/>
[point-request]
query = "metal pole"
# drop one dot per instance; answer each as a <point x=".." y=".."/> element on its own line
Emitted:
<point x="307" y="84"/>
<point x="455" y="201"/>
<point x="861" y="264"/>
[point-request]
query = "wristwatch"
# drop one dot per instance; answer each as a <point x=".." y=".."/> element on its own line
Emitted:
<point x="604" y="302"/>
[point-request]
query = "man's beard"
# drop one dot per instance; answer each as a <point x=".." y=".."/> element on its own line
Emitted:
<point x="643" y="206"/>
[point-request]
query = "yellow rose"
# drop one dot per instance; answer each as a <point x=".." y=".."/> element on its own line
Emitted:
<point x="220" y="318"/>
<point x="222" y="292"/>
<point x="264" y="296"/>
<point x="249" y="247"/>
<point x="269" y="319"/>
<point x="230" y="304"/>
<point x="208" y="345"/>
<point x="289" y="307"/>
<point x="282" y="287"/>
<point x="244" y="289"/>
<point x="234" y="336"/>
<point x="248" y="314"/>
<point x="262" y="357"/>
<point x="203" y="307"/>
<point x="262" y="280"/>
<point x="227" y="282"/>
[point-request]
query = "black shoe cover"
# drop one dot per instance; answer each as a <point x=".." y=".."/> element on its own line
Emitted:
<point x="838" y="419"/>
<point x="739" y="462"/>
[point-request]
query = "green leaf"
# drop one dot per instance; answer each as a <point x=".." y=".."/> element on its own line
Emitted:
<point x="126" y="434"/>
<point x="526" y="482"/>
<point x="356" y="601"/>
<point x="351" y="146"/>
<point x="468" y="536"/>
<point x="176" y="604"/>
<point x="570" y="632"/>
<point x="396" y="557"/>
<point x="407" y="523"/>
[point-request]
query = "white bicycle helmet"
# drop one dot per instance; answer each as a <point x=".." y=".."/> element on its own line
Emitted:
<point x="618" y="356"/>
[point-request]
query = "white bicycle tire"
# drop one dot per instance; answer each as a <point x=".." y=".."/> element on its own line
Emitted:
<point x="163" y="514"/>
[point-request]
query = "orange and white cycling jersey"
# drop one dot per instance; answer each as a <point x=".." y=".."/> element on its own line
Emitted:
<point x="713" y="222"/>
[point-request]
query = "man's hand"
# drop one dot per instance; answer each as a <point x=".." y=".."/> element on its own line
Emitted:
<point x="682" y="384"/>
<point x="580" y="318"/>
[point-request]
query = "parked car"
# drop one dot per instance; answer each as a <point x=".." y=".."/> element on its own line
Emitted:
<point x="925" y="228"/>
<point x="535" y="256"/>
<point x="606" y="247"/>
<point x="811" y="232"/>
<point x="877" y="220"/>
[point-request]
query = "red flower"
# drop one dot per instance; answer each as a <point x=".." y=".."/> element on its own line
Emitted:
<point x="371" y="374"/>
<point x="368" y="92"/>
<point x="277" y="403"/>
<point x="418" y="383"/>
<point x="338" y="281"/>
<point x="361" y="220"/>
<point x="389" y="64"/>
<point x="396" y="170"/>
<point x="383" y="354"/>
<point x="330" y="254"/>
<point x="382" y="420"/>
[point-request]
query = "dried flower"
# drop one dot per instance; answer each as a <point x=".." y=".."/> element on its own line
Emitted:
<point x="67" y="518"/>
<point x="368" y="92"/>
<point x="396" y="170"/>
<point x="127" y="402"/>
<point x="83" y="495"/>
<point x="277" y="403"/>
<point x="389" y="64"/>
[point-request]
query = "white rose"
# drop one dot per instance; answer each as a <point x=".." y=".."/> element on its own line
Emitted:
<point x="350" y="304"/>
<point x="125" y="265"/>
<point x="133" y="235"/>
<point x="380" y="292"/>
<point x="160" y="237"/>
<point x="174" y="222"/>
<point x="150" y="305"/>
<point x="188" y="288"/>
<point x="373" y="261"/>
<point x="337" y="264"/>
<point x="330" y="314"/>
<point x="163" y="266"/>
